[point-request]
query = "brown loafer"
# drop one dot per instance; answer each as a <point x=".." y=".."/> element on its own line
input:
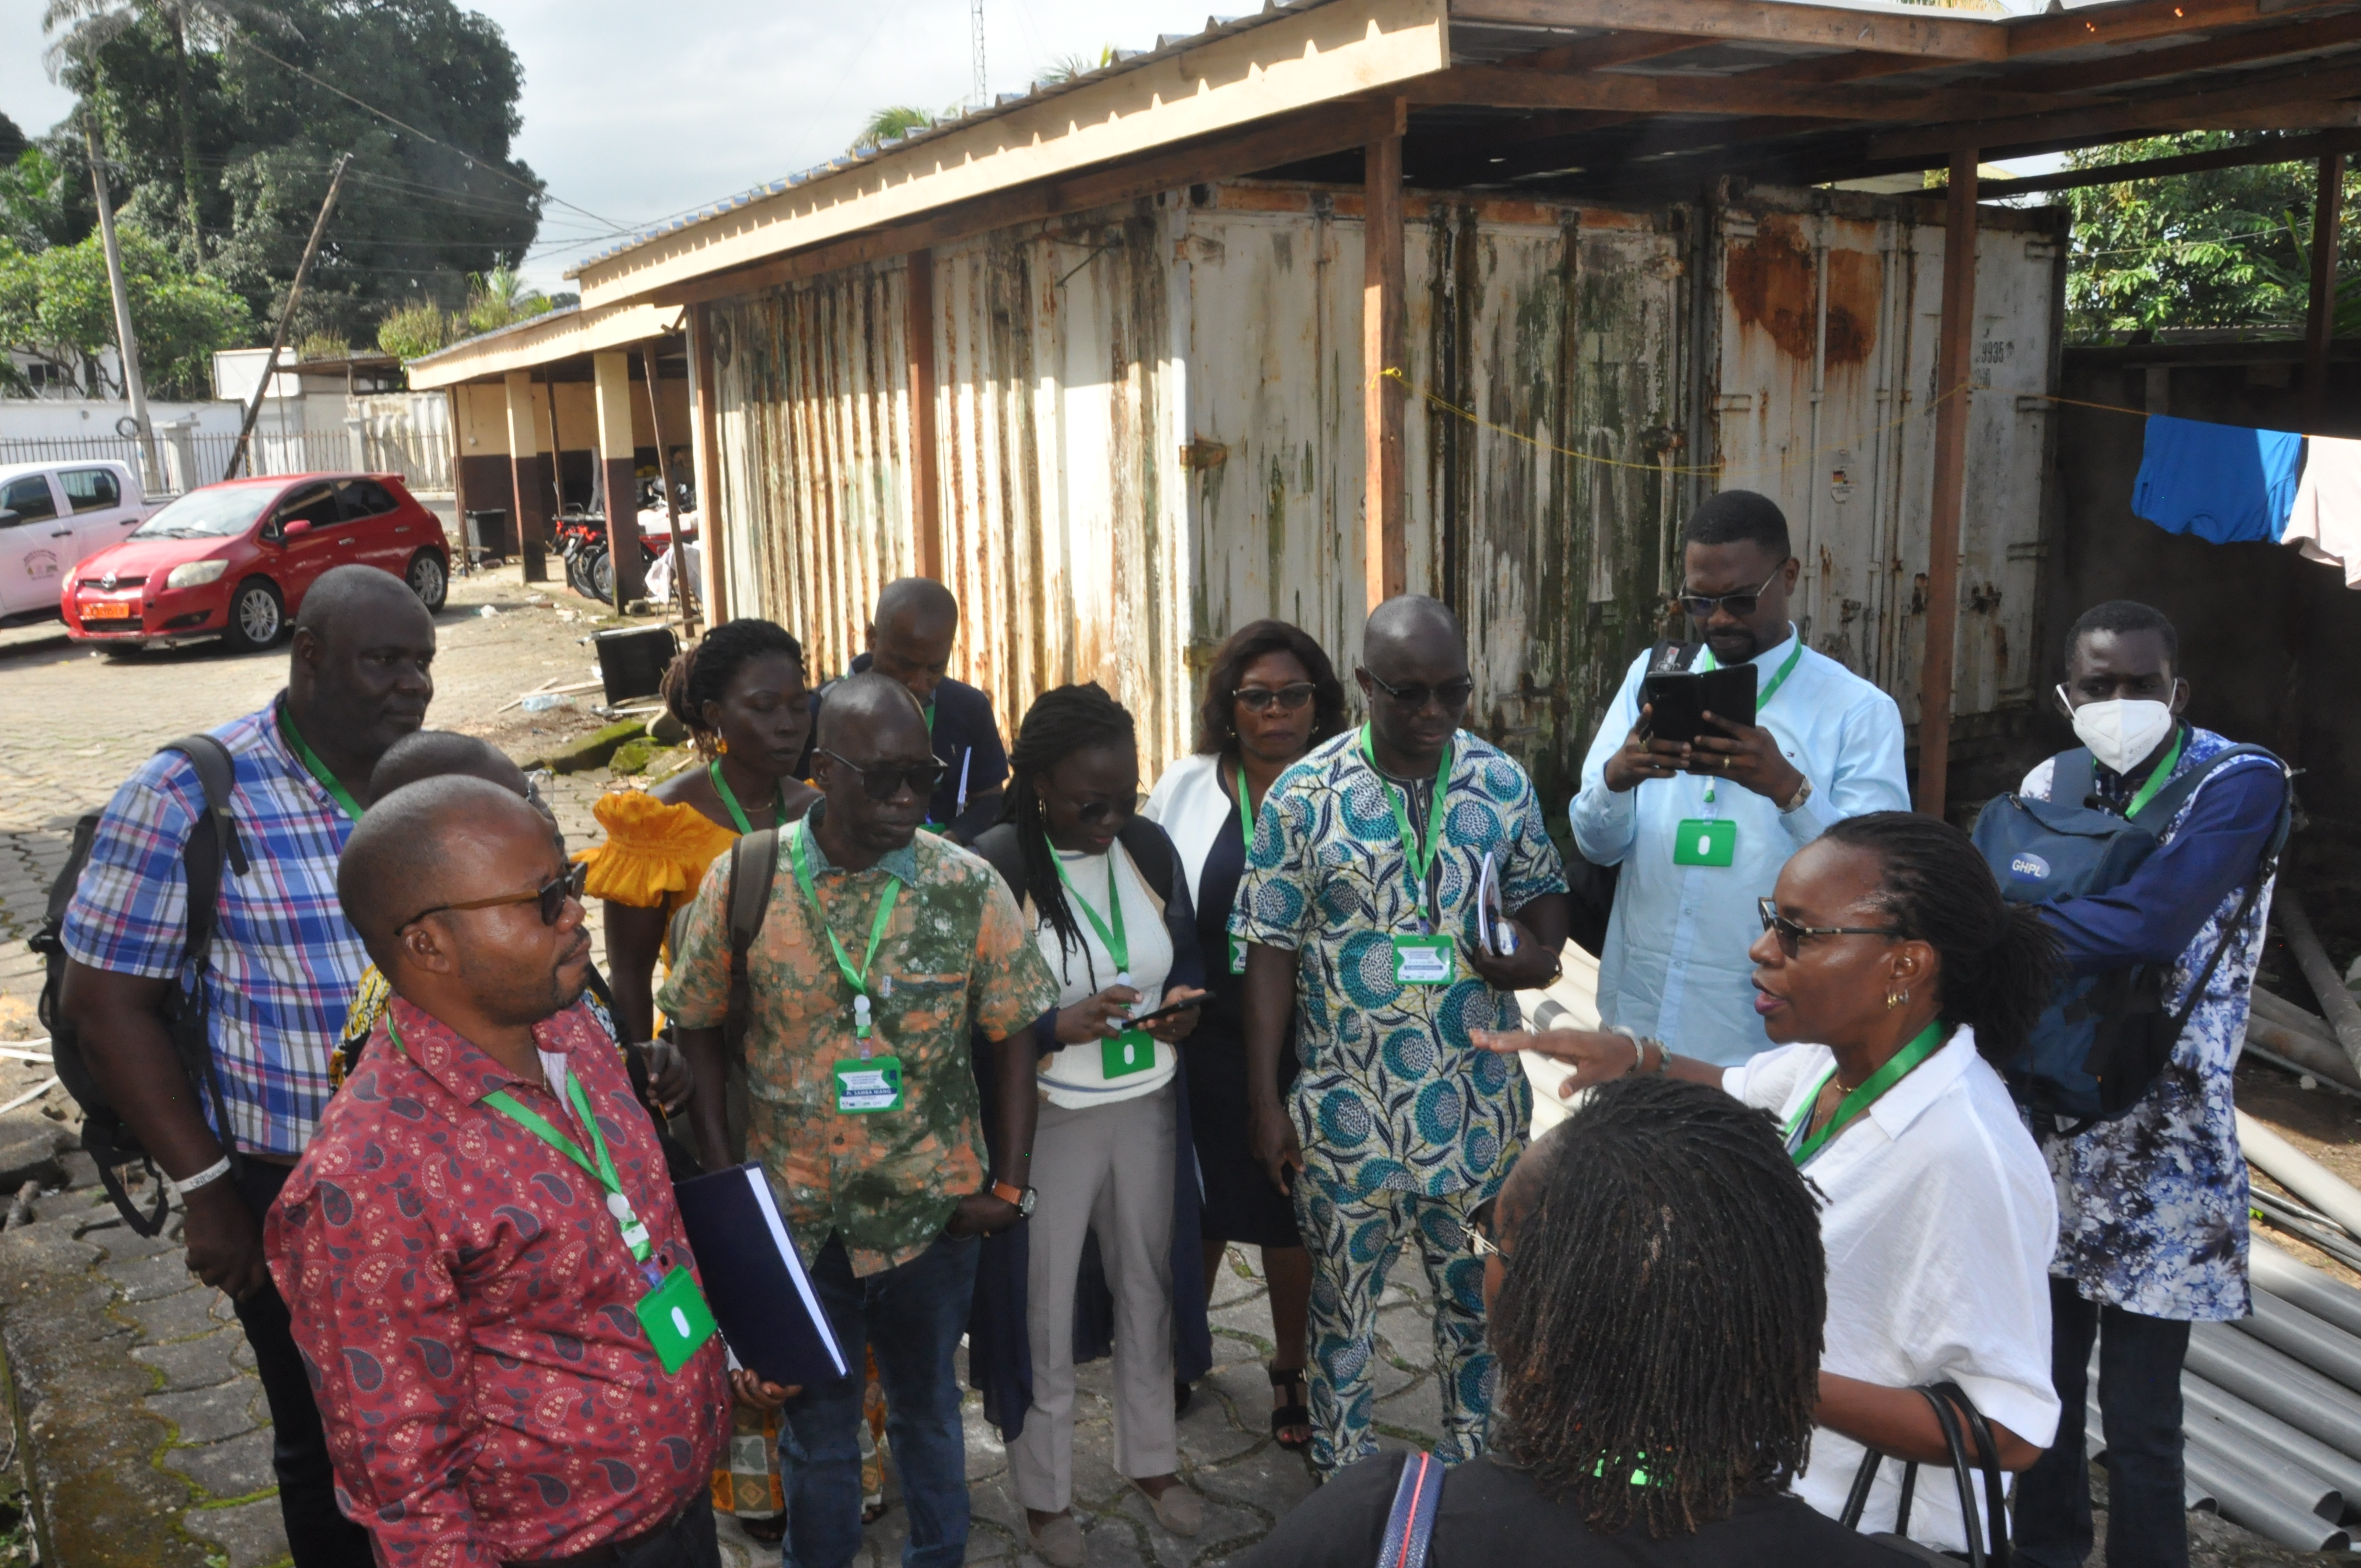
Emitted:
<point x="1179" y="1509"/>
<point x="1058" y="1543"/>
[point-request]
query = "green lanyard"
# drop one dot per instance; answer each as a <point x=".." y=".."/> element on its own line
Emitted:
<point x="737" y="812"/>
<point x="2159" y="777"/>
<point x="1928" y="1040"/>
<point x="1246" y="812"/>
<point x="1118" y="947"/>
<point x="635" y="1234"/>
<point x="930" y="718"/>
<point x="1786" y="668"/>
<point x="856" y="978"/>
<point x="318" y="769"/>
<point x="1421" y="862"/>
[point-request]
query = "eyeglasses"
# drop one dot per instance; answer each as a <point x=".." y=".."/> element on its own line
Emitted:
<point x="886" y="783"/>
<point x="1791" y="936"/>
<point x="1095" y="812"/>
<point x="1702" y="605"/>
<point x="552" y="898"/>
<point x="1483" y="1245"/>
<point x="1258" y="699"/>
<point x="1452" y="694"/>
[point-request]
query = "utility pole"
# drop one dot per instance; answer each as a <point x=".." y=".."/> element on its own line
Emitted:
<point x="286" y="314"/>
<point x="975" y="12"/>
<point x="125" y="341"/>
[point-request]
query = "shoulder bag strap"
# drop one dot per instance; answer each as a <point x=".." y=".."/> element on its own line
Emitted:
<point x="2264" y="869"/>
<point x="1410" y="1527"/>
<point x="1152" y="852"/>
<point x="753" y="861"/>
<point x="212" y="839"/>
<point x="1961" y="1475"/>
<point x="2073" y="777"/>
<point x="1988" y="1460"/>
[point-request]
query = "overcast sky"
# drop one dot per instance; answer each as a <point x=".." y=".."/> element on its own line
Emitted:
<point x="636" y="111"/>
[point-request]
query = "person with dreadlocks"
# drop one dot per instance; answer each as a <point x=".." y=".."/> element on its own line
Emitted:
<point x="1890" y="976"/>
<point x="1653" y="1284"/>
<point x="1100" y="889"/>
<point x="741" y="694"/>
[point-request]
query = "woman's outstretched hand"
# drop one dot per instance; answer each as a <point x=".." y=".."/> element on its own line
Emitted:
<point x="1594" y="1055"/>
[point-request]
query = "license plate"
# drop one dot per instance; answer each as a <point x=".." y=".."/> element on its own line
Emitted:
<point x="107" y="609"/>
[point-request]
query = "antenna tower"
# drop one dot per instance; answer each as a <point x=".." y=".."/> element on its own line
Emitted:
<point x="975" y="12"/>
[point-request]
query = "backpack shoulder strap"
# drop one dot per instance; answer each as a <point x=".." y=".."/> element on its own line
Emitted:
<point x="997" y="845"/>
<point x="1410" y="1527"/>
<point x="1151" y="851"/>
<point x="2175" y="794"/>
<point x="211" y="840"/>
<point x="2073" y="777"/>
<point x="753" y="864"/>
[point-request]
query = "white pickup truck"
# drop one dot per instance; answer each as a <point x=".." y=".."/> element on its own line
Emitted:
<point x="53" y="516"/>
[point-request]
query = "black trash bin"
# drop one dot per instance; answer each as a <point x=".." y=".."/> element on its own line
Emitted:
<point x="487" y="536"/>
<point x="632" y="660"/>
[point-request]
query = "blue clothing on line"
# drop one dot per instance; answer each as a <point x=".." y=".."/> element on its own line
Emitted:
<point x="2225" y="483"/>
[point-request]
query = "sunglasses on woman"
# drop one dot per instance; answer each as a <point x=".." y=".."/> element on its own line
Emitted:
<point x="883" y="783"/>
<point x="1791" y="935"/>
<point x="1258" y="699"/>
<point x="550" y="896"/>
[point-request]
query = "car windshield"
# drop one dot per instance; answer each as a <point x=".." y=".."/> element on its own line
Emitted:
<point x="214" y="513"/>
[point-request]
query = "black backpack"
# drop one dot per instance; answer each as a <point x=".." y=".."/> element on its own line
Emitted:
<point x="213" y="841"/>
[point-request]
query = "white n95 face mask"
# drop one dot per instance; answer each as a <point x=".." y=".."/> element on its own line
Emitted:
<point x="2122" y="731"/>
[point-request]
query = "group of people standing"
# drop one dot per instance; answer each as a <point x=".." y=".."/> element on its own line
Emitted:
<point x="1270" y="1001"/>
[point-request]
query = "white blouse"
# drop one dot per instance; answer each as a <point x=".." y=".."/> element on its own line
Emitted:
<point x="1940" y="1220"/>
<point x="1076" y="1077"/>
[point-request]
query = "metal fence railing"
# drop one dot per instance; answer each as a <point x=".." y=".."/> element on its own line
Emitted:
<point x="181" y="461"/>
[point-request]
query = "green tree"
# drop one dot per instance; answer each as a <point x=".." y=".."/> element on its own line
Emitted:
<point x="885" y="125"/>
<point x="37" y="206"/>
<point x="422" y="207"/>
<point x="418" y="326"/>
<point x="2223" y="247"/>
<point x="56" y="304"/>
<point x="85" y="26"/>
<point x="1067" y="66"/>
<point x="498" y="297"/>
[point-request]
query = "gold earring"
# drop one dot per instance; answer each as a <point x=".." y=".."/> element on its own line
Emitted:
<point x="1896" y="998"/>
<point x="720" y="746"/>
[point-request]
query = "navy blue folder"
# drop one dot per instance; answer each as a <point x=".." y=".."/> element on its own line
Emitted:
<point x="754" y="1282"/>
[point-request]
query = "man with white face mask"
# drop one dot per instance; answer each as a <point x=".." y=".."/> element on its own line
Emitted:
<point x="2151" y="1207"/>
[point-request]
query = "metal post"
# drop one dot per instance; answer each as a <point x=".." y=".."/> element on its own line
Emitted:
<point x="680" y="588"/>
<point x="1954" y="347"/>
<point x="126" y="341"/>
<point x="926" y="486"/>
<point x="1385" y="502"/>
<point x="286" y="315"/>
<point x="2319" y="327"/>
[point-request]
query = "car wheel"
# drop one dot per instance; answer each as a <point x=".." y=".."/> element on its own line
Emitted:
<point x="257" y="616"/>
<point x="428" y="579"/>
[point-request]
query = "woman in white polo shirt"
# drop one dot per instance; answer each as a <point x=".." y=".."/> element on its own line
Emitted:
<point x="1887" y="948"/>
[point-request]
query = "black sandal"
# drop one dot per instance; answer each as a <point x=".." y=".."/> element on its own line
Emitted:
<point x="1297" y="1415"/>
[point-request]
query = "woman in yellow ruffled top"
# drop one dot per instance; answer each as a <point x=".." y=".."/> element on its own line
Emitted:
<point x="741" y="691"/>
<point x="741" y="694"/>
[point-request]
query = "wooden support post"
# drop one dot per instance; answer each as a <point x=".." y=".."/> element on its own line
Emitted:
<point x="610" y="375"/>
<point x="682" y="590"/>
<point x="1954" y="350"/>
<point x="530" y="516"/>
<point x="925" y="484"/>
<point x="703" y="429"/>
<point x="2319" y="327"/>
<point x="1384" y="503"/>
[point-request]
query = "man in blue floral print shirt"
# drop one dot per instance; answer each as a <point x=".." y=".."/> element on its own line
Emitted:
<point x="1361" y="904"/>
<point x="2152" y="1207"/>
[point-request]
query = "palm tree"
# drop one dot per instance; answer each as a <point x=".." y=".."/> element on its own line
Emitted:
<point x="90" y="25"/>
<point x="1067" y="66"/>
<point x="896" y="120"/>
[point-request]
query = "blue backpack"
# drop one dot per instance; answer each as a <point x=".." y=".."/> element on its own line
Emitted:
<point x="2102" y="1040"/>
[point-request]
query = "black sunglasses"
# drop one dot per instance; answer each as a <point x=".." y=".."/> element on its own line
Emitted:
<point x="1702" y="605"/>
<point x="552" y="896"/>
<point x="1258" y="699"/>
<point x="1452" y="694"/>
<point x="1791" y="935"/>
<point x="885" y="783"/>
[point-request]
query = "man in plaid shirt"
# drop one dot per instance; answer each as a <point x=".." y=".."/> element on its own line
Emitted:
<point x="283" y="967"/>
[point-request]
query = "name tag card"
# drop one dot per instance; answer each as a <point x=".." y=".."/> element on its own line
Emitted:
<point x="675" y="1318"/>
<point x="1122" y="1055"/>
<point x="867" y="1085"/>
<point x="1703" y="841"/>
<point x="1424" y="960"/>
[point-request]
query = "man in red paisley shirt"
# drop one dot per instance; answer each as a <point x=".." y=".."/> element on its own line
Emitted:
<point x="468" y="1286"/>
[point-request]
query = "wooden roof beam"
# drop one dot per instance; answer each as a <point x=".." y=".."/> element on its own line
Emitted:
<point x="2293" y="150"/>
<point x="2238" y="48"/>
<point x="2124" y="24"/>
<point x="1757" y="21"/>
<point x="2100" y="123"/>
<point x="1741" y="95"/>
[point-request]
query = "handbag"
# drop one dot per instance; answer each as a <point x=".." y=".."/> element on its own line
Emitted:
<point x="1410" y="1527"/>
<point x="1960" y="1420"/>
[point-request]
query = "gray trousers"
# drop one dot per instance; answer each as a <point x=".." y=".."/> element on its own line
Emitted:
<point x="1107" y="1169"/>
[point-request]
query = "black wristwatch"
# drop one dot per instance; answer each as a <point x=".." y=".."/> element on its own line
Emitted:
<point x="1023" y="1197"/>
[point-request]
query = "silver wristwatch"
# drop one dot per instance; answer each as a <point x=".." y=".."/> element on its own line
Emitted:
<point x="1796" y="802"/>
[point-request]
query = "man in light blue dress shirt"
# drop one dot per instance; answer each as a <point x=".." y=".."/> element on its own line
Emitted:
<point x="1826" y="745"/>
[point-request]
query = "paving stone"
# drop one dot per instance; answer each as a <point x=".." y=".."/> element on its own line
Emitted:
<point x="160" y="1274"/>
<point x="208" y="1415"/>
<point x="125" y="1246"/>
<point x="184" y="1314"/>
<point x="33" y="1157"/>
<point x="194" y="1363"/>
<point x="236" y="1467"/>
<point x="253" y="1533"/>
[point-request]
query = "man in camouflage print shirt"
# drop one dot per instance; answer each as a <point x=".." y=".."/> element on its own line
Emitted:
<point x="862" y="1102"/>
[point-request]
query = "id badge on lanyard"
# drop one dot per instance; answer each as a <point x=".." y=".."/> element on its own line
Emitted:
<point x="1424" y="960"/>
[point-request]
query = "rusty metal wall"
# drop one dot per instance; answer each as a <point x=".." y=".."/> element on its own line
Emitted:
<point x="1544" y="354"/>
<point x="1828" y="307"/>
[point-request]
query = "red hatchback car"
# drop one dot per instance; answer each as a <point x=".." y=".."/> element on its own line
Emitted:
<point x="232" y="560"/>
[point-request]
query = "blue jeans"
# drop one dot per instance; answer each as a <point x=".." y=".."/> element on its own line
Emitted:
<point x="2139" y="1403"/>
<point x="914" y="1315"/>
